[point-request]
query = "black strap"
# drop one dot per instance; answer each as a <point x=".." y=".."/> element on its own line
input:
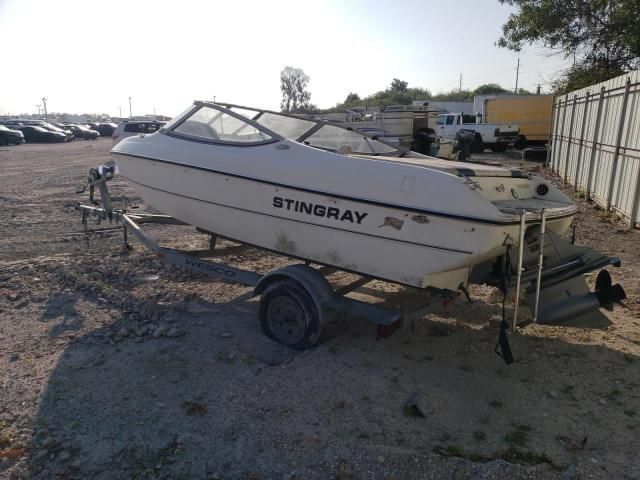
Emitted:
<point x="503" y="344"/>
<point x="502" y="347"/>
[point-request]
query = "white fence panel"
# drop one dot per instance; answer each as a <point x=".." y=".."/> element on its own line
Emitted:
<point x="595" y="143"/>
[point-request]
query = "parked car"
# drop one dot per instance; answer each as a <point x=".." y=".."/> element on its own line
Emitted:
<point x="106" y="129"/>
<point x="23" y="121"/>
<point x="33" y="133"/>
<point x="80" y="131"/>
<point x="135" y="127"/>
<point x="88" y="125"/>
<point x="62" y="126"/>
<point x="487" y="135"/>
<point x="9" y="136"/>
<point x="53" y="128"/>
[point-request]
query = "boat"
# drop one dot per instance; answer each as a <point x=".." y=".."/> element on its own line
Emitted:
<point x="319" y="192"/>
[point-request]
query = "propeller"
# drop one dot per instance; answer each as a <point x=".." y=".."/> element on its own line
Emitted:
<point x="607" y="293"/>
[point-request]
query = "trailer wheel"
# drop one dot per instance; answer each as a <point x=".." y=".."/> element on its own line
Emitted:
<point x="288" y="315"/>
<point x="499" y="147"/>
<point x="521" y="142"/>
<point x="478" y="145"/>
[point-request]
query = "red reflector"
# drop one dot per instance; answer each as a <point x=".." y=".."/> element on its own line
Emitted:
<point x="384" y="331"/>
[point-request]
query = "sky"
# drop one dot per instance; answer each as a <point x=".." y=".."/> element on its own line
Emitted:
<point x="87" y="56"/>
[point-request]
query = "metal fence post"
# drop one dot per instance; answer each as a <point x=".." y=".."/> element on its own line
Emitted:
<point x="556" y="159"/>
<point x="596" y="132"/>
<point x="566" y="157"/>
<point x="552" y="133"/>
<point x="616" y="155"/>
<point x="635" y="206"/>
<point x="633" y="216"/>
<point x="585" y="111"/>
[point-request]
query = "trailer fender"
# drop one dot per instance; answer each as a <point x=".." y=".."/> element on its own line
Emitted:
<point x="308" y="278"/>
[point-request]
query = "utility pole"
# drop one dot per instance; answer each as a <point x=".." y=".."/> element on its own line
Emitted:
<point x="517" y="73"/>
<point x="460" y="87"/>
<point x="130" y="114"/>
<point x="44" y="103"/>
<point x="120" y="110"/>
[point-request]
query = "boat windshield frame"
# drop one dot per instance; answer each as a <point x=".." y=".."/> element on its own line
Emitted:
<point x="227" y="108"/>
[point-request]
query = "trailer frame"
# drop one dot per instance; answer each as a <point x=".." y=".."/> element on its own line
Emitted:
<point x="303" y="288"/>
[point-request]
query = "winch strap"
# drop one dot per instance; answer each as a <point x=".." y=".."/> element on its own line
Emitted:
<point x="503" y="341"/>
<point x="502" y="347"/>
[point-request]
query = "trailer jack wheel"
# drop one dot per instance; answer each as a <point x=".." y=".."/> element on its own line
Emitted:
<point x="288" y="315"/>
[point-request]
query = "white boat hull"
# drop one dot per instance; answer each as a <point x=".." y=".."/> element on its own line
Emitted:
<point x="396" y="244"/>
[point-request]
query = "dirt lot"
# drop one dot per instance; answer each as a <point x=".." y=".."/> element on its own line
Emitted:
<point x="113" y="366"/>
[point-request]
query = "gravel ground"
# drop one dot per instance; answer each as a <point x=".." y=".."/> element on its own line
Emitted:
<point x="114" y="366"/>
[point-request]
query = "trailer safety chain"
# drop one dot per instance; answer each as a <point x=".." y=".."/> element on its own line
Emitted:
<point x="502" y="348"/>
<point x="464" y="290"/>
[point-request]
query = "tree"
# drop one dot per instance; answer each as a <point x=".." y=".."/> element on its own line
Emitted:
<point x="398" y="93"/>
<point x="581" y="76"/>
<point x="398" y="86"/>
<point x="455" y="96"/>
<point x="352" y="98"/>
<point x="489" y="88"/>
<point x="602" y="35"/>
<point x="295" y="96"/>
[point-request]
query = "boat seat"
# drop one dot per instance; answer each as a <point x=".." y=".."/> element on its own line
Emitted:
<point x="198" y="129"/>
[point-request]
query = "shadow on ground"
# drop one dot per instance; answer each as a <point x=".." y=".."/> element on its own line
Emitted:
<point x="220" y="400"/>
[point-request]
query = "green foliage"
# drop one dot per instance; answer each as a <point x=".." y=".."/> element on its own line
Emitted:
<point x="455" y="96"/>
<point x="295" y="96"/>
<point x="602" y="36"/>
<point x="398" y="93"/>
<point x="490" y="88"/>
<point x="398" y="86"/>
<point x="581" y="76"/>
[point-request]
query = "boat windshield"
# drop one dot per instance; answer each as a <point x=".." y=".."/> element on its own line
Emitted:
<point x="226" y="123"/>
<point x="208" y="123"/>
<point x="318" y="134"/>
<point x="342" y="140"/>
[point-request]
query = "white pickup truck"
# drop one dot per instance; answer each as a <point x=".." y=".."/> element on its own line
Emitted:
<point x="488" y="135"/>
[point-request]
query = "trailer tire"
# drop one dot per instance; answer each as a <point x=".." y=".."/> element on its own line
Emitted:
<point x="535" y="154"/>
<point x="521" y="142"/>
<point x="423" y="139"/>
<point x="478" y="145"/>
<point x="288" y="315"/>
<point x="499" y="147"/>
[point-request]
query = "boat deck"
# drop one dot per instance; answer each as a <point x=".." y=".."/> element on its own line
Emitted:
<point x="466" y="169"/>
<point x="530" y="205"/>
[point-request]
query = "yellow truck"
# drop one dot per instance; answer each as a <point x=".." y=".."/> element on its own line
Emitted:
<point x="532" y="113"/>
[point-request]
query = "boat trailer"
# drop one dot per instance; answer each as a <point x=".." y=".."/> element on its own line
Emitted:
<point x="297" y="301"/>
